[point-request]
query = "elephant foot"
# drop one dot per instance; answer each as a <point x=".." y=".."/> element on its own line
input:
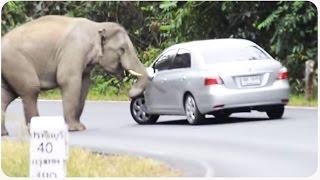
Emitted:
<point x="76" y="126"/>
<point x="4" y="132"/>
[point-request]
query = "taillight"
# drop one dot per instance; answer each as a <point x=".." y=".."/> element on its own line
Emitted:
<point x="212" y="81"/>
<point x="283" y="74"/>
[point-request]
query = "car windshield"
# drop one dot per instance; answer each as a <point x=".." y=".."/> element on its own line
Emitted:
<point x="217" y="55"/>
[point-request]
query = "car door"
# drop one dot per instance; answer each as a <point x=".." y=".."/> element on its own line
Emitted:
<point x="157" y="95"/>
<point x="177" y="79"/>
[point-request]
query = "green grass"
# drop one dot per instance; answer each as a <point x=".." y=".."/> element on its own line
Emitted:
<point x="83" y="163"/>
<point x="299" y="100"/>
<point x="50" y="94"/>
<point x="295" y="100"/>
<point x="92" y="95"/>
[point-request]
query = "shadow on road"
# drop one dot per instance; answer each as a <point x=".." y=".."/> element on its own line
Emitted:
<point x="209" y="121"/>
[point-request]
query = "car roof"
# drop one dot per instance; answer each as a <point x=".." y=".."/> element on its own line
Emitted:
<point x="214" y="43"/>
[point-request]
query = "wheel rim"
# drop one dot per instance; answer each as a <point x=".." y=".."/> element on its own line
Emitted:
<point x="139" y="110"/>
<point x="190" y="109"/>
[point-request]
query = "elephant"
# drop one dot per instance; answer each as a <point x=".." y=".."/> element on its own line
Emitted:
<point x="60" y="52"/>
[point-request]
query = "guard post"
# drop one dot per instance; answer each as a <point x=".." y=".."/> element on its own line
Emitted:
<point x="48" y="147"/>
<point x="309" y="68"/>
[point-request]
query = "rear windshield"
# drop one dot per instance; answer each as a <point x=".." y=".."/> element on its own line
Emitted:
<point x="217" y="55"/>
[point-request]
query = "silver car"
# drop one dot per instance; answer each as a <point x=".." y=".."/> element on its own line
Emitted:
<point x="217" y="77"/>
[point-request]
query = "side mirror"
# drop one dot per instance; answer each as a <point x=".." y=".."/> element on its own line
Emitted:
<point x="150" y="72"/>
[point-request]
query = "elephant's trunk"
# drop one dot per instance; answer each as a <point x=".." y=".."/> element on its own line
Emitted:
<point x="136" y="68"/>
<point x="138" y="88"/>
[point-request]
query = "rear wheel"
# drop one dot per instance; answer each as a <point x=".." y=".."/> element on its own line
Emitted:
<point x="138" y="111"/>
<point x="275" y="112"/>
<point x="192" y="112"/>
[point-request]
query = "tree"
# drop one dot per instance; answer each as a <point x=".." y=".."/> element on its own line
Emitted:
<point x="286" y="29"/>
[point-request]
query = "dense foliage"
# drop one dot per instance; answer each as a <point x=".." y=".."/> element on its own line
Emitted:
<point x="286" y="29"/>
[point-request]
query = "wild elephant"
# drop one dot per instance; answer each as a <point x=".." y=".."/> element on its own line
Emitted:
<point x="57" y="51"/>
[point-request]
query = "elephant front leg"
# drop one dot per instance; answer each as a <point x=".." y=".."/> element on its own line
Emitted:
<point x="83" y="94"/>
<point x="71" y="99"/>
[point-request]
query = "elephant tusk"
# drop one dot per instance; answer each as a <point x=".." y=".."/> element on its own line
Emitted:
<point x="134" y="73"/>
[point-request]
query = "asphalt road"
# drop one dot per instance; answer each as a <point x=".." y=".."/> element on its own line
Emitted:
<point x="248" y="144"/>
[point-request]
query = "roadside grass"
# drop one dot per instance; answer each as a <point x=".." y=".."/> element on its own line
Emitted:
<point x="50" y="94"/>
<point x="299" y="100"/>
<point x="84" y="163"/>
<point x="295" y="99"/>
<point x="92" y="95"/>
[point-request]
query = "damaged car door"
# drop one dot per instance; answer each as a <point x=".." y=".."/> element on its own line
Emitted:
<point x="177" y="80"/>
<point x="158" y="93"/>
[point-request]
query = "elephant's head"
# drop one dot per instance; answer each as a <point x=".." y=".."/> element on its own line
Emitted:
<point x="118" y="54"/>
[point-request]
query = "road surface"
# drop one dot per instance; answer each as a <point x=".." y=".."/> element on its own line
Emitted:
<point x="248" y="144"/>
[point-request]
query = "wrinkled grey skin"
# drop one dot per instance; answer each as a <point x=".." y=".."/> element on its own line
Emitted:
<point x="57" y="51"/>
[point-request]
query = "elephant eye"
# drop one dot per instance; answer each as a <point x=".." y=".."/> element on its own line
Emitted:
<point x="121" y="51"/>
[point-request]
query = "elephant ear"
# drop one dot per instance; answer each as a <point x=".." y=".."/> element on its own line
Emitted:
<point x="103" y="36"/>
<point x="107" y="34"/>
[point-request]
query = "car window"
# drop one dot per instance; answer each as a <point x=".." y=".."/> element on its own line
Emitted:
<point x="182" y="59"/>
<point x="164" y="62"/>
<point x="218" y="55"/>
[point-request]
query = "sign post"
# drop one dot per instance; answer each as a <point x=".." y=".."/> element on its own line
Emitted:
<point x="48" y="147"/>
<point x="309" y="79"/>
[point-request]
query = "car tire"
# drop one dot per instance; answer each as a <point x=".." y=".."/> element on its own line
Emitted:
<point x="138" y="111"/>
<point x="192" y="112"/>
<point x="221" y="114"/>
<point x="275" y="112"/>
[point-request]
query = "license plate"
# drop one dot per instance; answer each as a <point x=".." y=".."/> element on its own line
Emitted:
<point x="250" y="80"/>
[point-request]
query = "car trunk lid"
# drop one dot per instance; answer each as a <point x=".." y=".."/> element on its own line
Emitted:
<point x="246" y="74"/>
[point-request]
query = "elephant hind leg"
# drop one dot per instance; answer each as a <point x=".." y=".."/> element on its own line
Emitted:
<point x="30" y="106"/>
<point x="29" y="98"/>
<point x="7" y="96"/>
<point x="22" y="76"/>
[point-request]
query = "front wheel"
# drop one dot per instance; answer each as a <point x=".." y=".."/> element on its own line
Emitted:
<point x="138" y="111"/>
<point x="275" y="112"/>
<point x="192" y="112"/>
